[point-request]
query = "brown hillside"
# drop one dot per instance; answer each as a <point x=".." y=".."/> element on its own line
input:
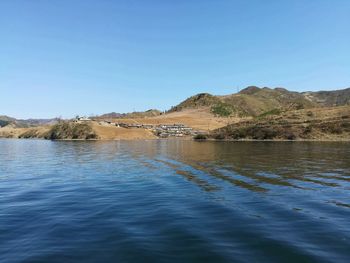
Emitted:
<point x="251" y="101"/>
<point x="199" y="119"/>
<point x="308" y="124"/>
<point x="116" y="133"/>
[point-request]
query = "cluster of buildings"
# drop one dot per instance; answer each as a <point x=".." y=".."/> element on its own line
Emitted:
<point x="81" y="119"/>
<point x="161" y="130"/>
<point x="177" y="130"/>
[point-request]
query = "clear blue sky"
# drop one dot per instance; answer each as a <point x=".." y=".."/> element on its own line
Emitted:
<point x="67" y="57"/>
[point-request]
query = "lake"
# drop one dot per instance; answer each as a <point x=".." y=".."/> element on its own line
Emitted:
<point x="174" y="201"/>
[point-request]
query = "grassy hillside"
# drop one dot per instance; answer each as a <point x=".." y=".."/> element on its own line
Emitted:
<point x="253" y="113"/>
<point x="70" y="130"/>
<point x="253" y="101"/>
<point x="197" y="101"/>
<point x="326" y="123"/>
<point x="63" y="130"/>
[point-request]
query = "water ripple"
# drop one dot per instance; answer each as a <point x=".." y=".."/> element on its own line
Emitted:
<point x="174" y="201"/>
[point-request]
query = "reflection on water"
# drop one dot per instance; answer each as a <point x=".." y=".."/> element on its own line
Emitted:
<point x="174" y="201"/>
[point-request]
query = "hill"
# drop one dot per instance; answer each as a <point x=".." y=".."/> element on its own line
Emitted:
<point x="131" y="115"/>
<point x="17" y="123"/>
<point x="329" y="98"/>
<point x="5" y="120"/>
<point x="197" y="101"/>
<point x="328" y="123"/>
<point x="71" y="130"/>
<point x="254" y="101"/>
<point x="253" y="113"/>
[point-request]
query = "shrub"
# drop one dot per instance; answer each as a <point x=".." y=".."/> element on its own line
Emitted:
<point x="263" y="133"/>
<point x="310" y="113"/>
<point x="334" y="128"/>
<point x="346" y="126"/>
<point x="271" y="112"/>
<point x="307" y="129"/>
<point x="289" y="135"/>
<point x="239" y="133"/>
<point x="222" y="109"/>
<point x="29" y="134"/>
<point x="200" y="137"/>
<point x="69" y="130"/>
<point x="219" y="136"/>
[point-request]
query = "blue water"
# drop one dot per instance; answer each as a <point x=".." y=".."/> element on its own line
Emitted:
<point x="174" y="201"/>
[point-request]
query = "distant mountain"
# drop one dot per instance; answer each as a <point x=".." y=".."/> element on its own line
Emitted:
<point x="253" y="101"/>
<point x="250" y="102"/>
<point x="329" y="98"/>
<point x="17" y="123"/>
<point x="131" y="115"/>
<point x="5" y="120"/>
<point x="111" y="115"/>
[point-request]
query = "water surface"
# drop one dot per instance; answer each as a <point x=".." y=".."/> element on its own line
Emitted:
<point x="174" y="201"/>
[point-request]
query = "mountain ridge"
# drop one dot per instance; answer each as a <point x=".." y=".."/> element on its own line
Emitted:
<point x="21" y="123"/>
<point x="249" y="102"/>
<point x="253" y="101"/>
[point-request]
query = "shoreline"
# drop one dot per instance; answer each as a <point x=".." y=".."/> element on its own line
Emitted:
<point x="183" y="139"/>
<point x="278" y="140"/>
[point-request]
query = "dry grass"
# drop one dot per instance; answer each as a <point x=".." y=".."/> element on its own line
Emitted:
<point x="198" y="119"/>
<point x="12" y="132"/>
<point x="116" y="133"/>
<point x="331" y="123"/>
<point x="307" y="124"/>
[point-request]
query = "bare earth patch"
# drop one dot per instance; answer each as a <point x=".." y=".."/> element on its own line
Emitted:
<point x="198" y="119"/>
<point x="117" y="133"/>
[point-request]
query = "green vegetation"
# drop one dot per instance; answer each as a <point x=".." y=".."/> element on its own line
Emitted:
<point x="219" y="136"/>
<point x="70" y="130"/>
<point x="334" y="128"/>
<point x="263" y="102"/>
<point x="196" y="101"/>
<point x="131" y="115"/>
<point x="222" y="109"/>
<point x="261" y="133"/>
<point x="289" y="126"/>
<point x="269" y="113"/>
